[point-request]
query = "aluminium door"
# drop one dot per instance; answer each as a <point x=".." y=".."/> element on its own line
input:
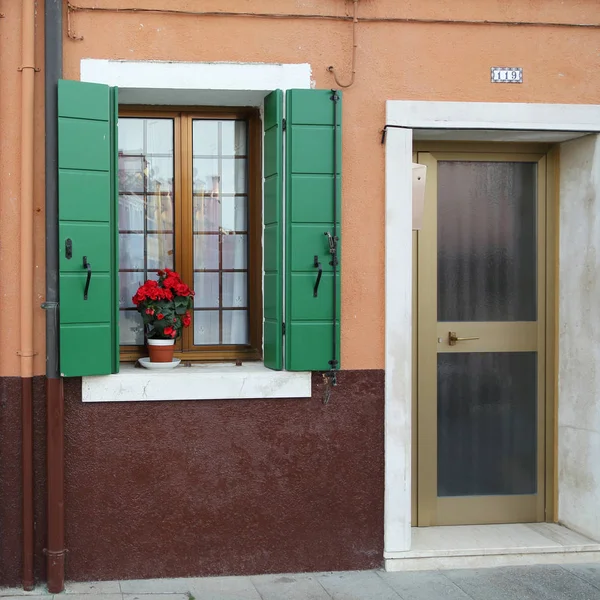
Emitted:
<point x="481" y="297"/>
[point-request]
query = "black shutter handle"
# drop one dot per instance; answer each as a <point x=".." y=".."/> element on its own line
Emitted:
<point x="317" y="265"/>
<point x="88" y="266"/>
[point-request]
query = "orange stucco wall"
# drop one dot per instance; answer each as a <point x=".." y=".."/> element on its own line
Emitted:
<point x="422" y="61"/>
<point x="10" y="189"/>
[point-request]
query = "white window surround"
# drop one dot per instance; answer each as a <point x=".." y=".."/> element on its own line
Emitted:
<point x="471" y="121"/>
<point x="207" y="84"/>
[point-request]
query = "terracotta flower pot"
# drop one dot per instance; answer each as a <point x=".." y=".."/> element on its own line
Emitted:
<point x="161" y="351"/>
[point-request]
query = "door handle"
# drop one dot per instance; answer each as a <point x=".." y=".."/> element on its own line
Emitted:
<point x="452" y="339"/>
<point x="317" y="265"/>
<point x="88" y="266"/>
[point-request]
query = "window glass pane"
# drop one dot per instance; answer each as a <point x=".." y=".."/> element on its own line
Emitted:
<point x="131" y="136"/>
<point x="207" y="290"/>
<point x="219" y="176"/>
<point x="220" y="225"/>
<point x="229" y="214"/>
<point x="235" y="327"/>
<point x="159" y="133"/>
<point x="234" y="138"/>
<point x="131" y="328"/>
<point x="146" y="210"/>
<point x="235" y="290"/>
<point x="233" y="176"/>
<point x="131" y="212"/>
<point x="159" y="251"/>
<point x="131" y="251"/>
<point x="206" y="327"/>
<point x="219" y="137"/>
<point x="234" y="251"/>
<point x="206" y="137"/>
<point x="206" y="251"/>
<point x="128" y="285"/>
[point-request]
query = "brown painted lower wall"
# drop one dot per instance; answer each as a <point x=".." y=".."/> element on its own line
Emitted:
<point x="10" y="479"/>
<point x="165" y="489"/>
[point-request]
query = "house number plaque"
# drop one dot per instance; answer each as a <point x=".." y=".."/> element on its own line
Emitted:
<point x="507" y="75"/>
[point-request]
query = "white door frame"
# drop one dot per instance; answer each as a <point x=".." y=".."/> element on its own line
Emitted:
<point x="468" y="121"/>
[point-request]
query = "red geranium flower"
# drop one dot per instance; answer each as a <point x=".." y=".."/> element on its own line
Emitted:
<point x="181" y="289"/>
<point x="164" y="300"/>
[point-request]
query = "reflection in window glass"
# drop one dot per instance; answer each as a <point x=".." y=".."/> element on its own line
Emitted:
<point x="146" y="212"/>
<point x="220" y="231"/>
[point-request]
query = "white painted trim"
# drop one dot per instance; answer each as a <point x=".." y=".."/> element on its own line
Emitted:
<point x="199" y="382"/>
<point x="157" y="75"/>
<point x="496" y="116"/>
<point x="466" y="116"/>
<point x="398" y="336"/>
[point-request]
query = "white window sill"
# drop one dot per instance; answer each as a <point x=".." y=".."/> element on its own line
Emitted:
<point x="198" y="382"/>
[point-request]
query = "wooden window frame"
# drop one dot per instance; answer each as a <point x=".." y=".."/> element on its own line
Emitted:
<point x="183" y="242"/>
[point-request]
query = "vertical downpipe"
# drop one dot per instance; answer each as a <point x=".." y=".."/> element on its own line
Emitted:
<point x="55" y="551"/>
<point x="26" y="288"/>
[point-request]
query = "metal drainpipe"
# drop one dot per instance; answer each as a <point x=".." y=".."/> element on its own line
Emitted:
<point x="27" y="69"/>
<point x="55" y="551"/>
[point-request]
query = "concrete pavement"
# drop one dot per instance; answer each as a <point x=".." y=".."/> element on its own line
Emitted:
<point x="544" y="582"/>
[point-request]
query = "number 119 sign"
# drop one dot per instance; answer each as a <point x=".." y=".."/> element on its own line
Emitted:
<point x="507" y="75"/>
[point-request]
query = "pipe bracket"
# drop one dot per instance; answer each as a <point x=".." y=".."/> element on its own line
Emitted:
<point x="55" y="553"/>
<point x="26" y="354"/>
<point x="36" y="69"/>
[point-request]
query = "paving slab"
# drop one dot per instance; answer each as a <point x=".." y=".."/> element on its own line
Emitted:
<point x="87" y="597"/>
<point x="223" y="588"/>
<point x="357" y="585"/>
<point x="553" y="583"/>
<point x="38" y="590"/>
<point x="156" y="586"/>
<point x="92" y="587"/>
<point x="489" y="584"/>
<point x="289" y="587"/>
<point x="22" y="596"/>
<point x="162" y="596"/>
<point x="423" y="585"/>
<point x="589" y="573"/>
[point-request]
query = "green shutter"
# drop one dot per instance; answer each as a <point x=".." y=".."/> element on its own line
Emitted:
<point x="87" y="115"/>
<point x="311" y="146"/>
<point x="273" y="234"/>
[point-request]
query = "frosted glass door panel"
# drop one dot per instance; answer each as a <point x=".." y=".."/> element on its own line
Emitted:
<point x="487" y="241"/>
<point x="487" y="423"/>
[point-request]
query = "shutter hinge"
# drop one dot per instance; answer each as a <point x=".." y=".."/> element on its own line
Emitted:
<point x="283" y="328"/>
<point x="283" y="125"/>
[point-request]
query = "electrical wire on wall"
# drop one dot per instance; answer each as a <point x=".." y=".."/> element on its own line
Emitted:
<point x="73" y="8"/>
<point x="332" y="68"/>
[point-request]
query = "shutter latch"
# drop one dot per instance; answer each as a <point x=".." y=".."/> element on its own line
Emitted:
<point x="283" y="125"/>
<point x="333" y="242"/>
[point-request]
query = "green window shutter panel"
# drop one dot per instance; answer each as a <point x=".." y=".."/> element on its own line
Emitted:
<point x="87" y="197"/>
<point x="312" y="143"/>
<point x="273" y="233"/>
